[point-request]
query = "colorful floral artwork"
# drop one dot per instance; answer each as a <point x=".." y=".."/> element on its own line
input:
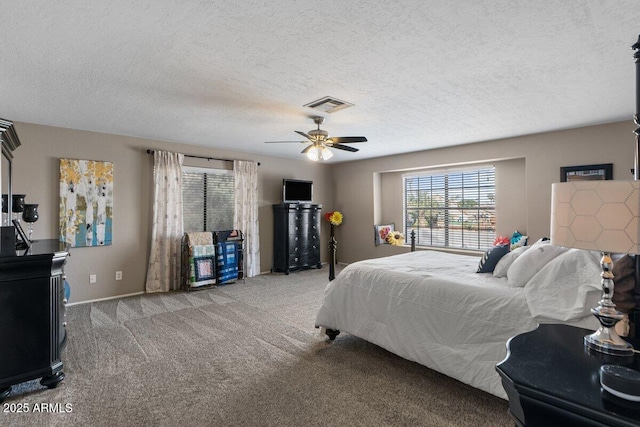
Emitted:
<point x="86" y="202"/>
<point x="381" y="232"/>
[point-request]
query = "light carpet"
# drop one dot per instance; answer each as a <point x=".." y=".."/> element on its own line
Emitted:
<point x="244" y="354"/>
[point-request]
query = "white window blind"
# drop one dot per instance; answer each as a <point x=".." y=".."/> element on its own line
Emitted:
<point x="451" y="209"/>
<point x="208" y="199"/>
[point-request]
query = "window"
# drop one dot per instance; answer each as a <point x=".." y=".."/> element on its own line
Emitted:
<point x="207" y="199"/>
<point x="451" y="209"/>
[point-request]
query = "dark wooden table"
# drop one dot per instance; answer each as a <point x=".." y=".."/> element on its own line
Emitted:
<point x="552" y="379"/>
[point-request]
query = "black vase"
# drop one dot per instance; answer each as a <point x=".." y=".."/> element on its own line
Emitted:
<point x="17" y="202"/>
<point x="30" y="213"/>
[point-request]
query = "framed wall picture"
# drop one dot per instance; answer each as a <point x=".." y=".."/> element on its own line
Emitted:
<point x="586" y="173"/>
<point x="86" y="202"/>
<point x="381" y="231"/>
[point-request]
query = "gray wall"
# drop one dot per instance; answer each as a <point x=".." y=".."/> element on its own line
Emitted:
<point x="36" y="174"/>
<point x="369" y="192"/>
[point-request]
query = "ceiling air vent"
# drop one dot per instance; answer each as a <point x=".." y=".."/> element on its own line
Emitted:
<point x="329" y="104"/>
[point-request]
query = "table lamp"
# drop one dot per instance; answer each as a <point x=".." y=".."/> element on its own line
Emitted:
<point x="599" y="216"/>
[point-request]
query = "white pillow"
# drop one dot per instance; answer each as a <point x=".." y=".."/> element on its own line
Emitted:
<point x="505" y="262"/>
<point x="566" y="288"/>
<point x="542" y="240"/>
<point x="530" y="262"/>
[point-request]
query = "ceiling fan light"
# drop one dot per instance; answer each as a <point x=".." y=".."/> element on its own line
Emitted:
<point x="313" y="154"/>
<point x="325" y="154"/>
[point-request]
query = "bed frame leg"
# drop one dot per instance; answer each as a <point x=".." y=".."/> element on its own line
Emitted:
<point x="332" y="334"/>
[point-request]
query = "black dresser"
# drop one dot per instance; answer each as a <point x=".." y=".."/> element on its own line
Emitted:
<point x="32" y="315"/>
<point x="296" y="236"/>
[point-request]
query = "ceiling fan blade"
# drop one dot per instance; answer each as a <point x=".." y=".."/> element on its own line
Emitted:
<point x="343" y="147"/>
<point x="348" y="139"/>
<point x="304" y="134"/>
<point x="279" y="142"/>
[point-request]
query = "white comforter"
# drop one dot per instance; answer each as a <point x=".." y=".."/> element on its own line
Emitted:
<point x="432" y="308"/>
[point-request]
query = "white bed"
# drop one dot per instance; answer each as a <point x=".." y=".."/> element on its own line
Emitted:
<point x="433" y="308"/>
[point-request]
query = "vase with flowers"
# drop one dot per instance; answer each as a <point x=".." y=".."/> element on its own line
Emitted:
<point x="334" y="218"/>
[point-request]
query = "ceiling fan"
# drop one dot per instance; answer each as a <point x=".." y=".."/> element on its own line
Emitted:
<point x="321" y="142"/>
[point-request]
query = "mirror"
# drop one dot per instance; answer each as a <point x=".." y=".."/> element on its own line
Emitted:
<point x="5" y="184"/>
<point x="10" y="141"/>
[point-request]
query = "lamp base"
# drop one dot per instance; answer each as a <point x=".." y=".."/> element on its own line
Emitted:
<point x="606" y="340"/>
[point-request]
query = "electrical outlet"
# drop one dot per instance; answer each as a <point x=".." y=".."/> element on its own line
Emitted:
<point x="118" y="275"/>
<point x="92" y="278"/>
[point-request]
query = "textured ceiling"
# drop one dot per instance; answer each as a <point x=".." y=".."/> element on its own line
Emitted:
<point x="422" y="74"/>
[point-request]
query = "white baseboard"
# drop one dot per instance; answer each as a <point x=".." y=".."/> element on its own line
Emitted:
<point x="141" y="293"/>
<point x="105" y="299"/>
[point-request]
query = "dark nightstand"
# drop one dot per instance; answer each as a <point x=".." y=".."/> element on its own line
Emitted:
<point x="552" y="379"/>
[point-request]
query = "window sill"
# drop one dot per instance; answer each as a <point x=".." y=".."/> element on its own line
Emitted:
<point x="470" y="252"/>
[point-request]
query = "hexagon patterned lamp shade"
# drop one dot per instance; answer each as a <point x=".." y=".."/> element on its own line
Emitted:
<point x="601" y="216"/>
<point x="596" y="215"/>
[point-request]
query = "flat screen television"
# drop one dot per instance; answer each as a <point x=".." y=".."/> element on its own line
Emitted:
<point x="297" y="191"/>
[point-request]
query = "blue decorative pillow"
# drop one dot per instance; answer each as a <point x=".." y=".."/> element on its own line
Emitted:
<point x="518" y="240"/>
<point x="515" y="236"/>
<point x="491" y="258"/>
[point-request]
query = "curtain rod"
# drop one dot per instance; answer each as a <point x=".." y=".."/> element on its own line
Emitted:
<point x="203" y="157"/>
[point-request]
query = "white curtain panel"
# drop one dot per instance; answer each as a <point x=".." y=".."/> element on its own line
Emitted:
<point x="163" y="273"/>
<point x="245" y="174"/>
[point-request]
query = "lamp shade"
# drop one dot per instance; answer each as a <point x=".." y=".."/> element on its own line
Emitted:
<point x="325" y="153"/>
<point x="313" y="154"/>
<point x="596" y="215"/>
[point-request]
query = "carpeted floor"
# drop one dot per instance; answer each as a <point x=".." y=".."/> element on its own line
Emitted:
<point x="244" y="354"/>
